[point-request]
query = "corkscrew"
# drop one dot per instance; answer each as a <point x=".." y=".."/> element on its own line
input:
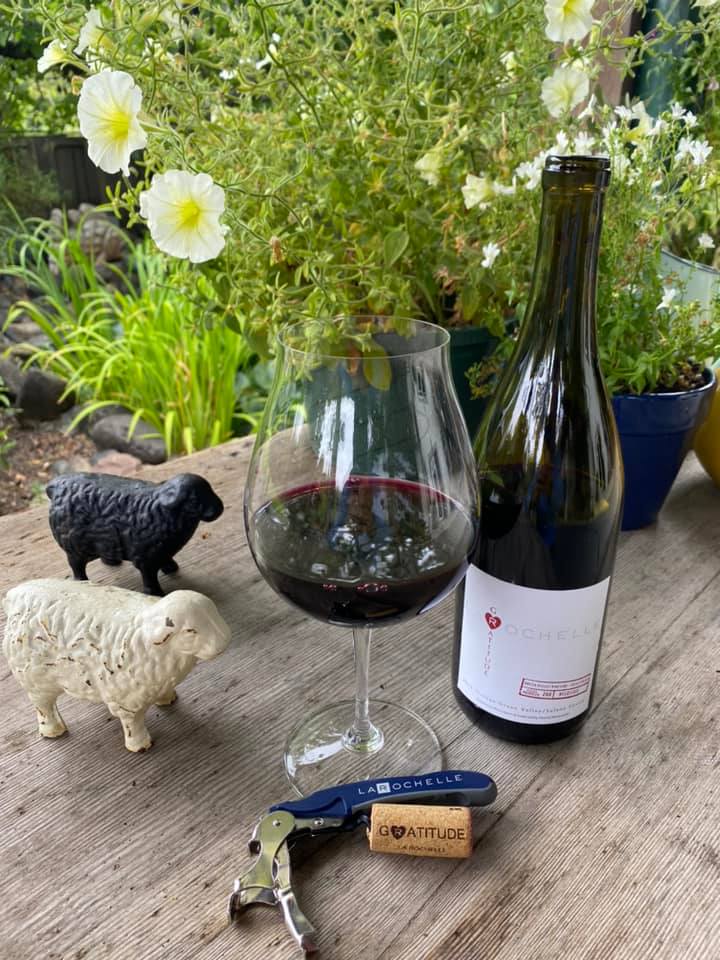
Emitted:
<point x="336" y="809"/>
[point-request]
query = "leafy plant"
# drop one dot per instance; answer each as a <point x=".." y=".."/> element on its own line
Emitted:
<point x="6" y="444"/>
<point x="32" y="102"/>
<point x="646" y="330"/>
<point x="26" y="190"/>
<point x="343" y="134"/>
<point x="695" y="235"/>
<point x="145" y="344"/>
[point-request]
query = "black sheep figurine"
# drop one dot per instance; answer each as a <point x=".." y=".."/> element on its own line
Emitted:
<point x="97" y="516"/>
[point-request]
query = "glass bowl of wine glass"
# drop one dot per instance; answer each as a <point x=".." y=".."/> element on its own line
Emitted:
<point x="361" y="510"/>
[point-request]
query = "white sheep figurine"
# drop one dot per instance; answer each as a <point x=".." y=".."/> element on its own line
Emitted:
<point x="107" y="645"/>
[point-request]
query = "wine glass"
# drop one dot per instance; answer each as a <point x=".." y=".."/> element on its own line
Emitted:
<point x="360" y="509"/>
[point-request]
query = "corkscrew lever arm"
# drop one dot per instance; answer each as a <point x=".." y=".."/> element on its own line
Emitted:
<point x="345" y="807"/>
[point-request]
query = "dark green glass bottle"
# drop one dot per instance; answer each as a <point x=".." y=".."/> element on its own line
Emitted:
<point x="531" y="611"/>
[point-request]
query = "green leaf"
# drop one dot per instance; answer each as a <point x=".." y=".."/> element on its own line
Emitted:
<point x="394" y="245"/>
<point x="376" y="367"/>
<point x="469" y="301"/>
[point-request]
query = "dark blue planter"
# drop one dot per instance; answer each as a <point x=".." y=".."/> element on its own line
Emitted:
<point x="469" y="345"/>
<point x="656" y="431"/>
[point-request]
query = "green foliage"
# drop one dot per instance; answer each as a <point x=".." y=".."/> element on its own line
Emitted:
<point x="145" y="344"/>
<point x="26" y="191"/>
<point x="342" y="133"/>
<point x="684" y="61"/>
<point x="646" y="331"/>
<point x="6" y="444"/>
<point x="31" y="102"/>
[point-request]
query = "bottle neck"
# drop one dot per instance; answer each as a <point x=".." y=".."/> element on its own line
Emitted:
<point x="561" y="308"/>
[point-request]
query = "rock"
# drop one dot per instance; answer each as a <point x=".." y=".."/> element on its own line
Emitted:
<point x="100" y="234"/>
<point x="116" y="463"/>
<point x="66" y="419"/>
<point x="24" y="330"/>
<point x="111" y="433"/>
<point x="11" y="375"/>
<point x="36" y="393"/>
<point x="76" y="464"/>
<point x="40" y="395"/>
<point x="111" y="410"/>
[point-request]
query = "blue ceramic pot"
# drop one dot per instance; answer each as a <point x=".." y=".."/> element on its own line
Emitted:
<point x="469" y="345"/>
<point x="656" y="431"/>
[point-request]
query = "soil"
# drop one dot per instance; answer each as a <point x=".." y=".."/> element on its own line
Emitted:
<point x="26" y="468"/>
<point x="689" y="377"/>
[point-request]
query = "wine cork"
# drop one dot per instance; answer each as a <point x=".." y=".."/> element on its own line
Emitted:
<point x="420" y="830"/>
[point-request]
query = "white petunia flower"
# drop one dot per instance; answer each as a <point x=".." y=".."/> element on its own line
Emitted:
<point x="706" y="241"/>
<point x="428" y="166"/>
<point x="584" y="144"/>
<point x="227" y="74"/>
<point x="108" y="110"/>
<point x="667" y="298"/>
<point x="183" y="212"/>
<point x="477" y="192"/>
<point x="568" y="19"/>
<point x="91" y="31"/>
<point x="564" y="90"/>
<point x="690" y="120"/>
<point x="53" y="54"/>
<point x="491" y="251"/>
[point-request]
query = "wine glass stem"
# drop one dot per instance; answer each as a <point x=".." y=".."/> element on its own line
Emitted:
<point x="363" y="735"/>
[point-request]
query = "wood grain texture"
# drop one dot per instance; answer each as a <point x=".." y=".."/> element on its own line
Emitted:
<point x="605" y="845"/>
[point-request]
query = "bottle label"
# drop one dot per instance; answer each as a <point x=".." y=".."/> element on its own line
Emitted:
<point x="529" y="655"/>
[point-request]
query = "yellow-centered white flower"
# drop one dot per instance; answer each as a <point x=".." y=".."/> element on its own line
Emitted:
<point x="53" y="54"/>
<point x="477" y="192"/>
<point x="429" y="165"/>
<point x="564" y="89"/>
<point x="568" y="19"/>
<point x="108" y="111"/>
<point x="91" y="32"/>
<point x="183" y="213"/>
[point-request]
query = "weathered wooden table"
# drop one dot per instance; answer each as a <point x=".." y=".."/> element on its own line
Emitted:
<point x="604" y="846"/>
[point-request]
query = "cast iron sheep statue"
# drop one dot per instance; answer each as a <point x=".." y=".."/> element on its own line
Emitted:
<point x="98" y="516"/>
<point x="106" y="645"/>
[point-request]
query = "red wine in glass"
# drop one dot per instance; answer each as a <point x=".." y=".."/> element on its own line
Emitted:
<point x="380" y="549"/>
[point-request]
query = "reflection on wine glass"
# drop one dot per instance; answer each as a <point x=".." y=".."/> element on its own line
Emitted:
<point x="360" y="509"/>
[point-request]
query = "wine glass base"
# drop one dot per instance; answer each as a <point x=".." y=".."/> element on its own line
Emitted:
<point x="317" y="754"/>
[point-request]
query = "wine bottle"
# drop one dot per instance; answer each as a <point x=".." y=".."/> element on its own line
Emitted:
<point x="531" y="610"/>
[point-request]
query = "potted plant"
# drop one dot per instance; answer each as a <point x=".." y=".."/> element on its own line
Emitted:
<point x="653" y="343"/>
<point x="349" y="157"/>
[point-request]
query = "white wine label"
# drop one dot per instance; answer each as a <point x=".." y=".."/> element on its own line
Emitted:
<point x="529" y="655"/>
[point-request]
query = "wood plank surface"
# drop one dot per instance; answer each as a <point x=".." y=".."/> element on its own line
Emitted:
<point x="604" y="845"/>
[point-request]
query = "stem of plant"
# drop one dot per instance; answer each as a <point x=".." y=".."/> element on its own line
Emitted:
<point x="363" y="736"/>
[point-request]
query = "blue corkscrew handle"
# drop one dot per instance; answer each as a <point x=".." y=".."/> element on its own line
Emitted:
<point x="465" y="788"/>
